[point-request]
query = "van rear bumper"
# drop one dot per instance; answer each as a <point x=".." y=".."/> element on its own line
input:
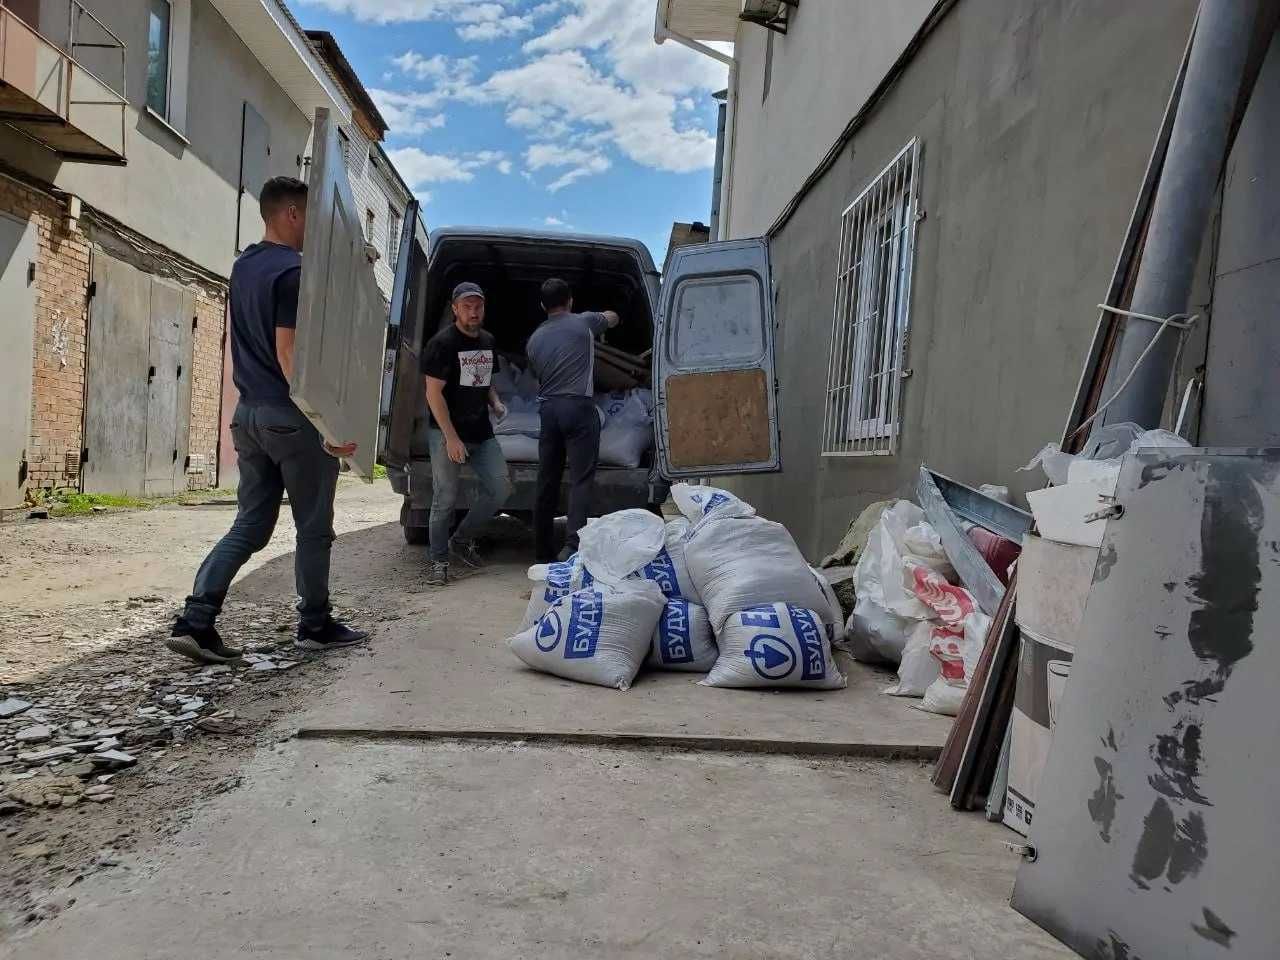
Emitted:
<point x="616" y="488"/>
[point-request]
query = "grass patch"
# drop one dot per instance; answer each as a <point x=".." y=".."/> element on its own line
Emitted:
<point x="68" y="504"/>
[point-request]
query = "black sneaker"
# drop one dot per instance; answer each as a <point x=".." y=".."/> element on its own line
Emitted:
<point x="466" y="552"/>
<point x="200" y="645"/>
<point x="329" y="637"/>
<point x="438" y="573"/>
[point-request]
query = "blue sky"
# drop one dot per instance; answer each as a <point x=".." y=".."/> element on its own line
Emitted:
<point x="560" y="114"/>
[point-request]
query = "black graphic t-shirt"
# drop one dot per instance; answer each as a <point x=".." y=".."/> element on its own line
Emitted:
<point x="466" y="365"/>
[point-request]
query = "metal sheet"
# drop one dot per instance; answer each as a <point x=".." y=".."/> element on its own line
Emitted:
<point x="1155" y="826"/>
<point x="117" y="401"/>
<point x="342" y="321"/>
<point x="17" y="331"/>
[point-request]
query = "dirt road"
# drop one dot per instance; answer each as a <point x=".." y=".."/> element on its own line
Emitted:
<point x="388" y="831"/>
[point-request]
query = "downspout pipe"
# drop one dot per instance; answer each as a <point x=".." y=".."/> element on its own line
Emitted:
<point x="1199" y="144"/>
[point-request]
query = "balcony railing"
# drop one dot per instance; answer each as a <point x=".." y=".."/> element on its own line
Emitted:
<point x="49" y="93"/>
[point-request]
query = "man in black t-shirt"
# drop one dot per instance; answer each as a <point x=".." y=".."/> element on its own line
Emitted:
<point x="458" y="365"/>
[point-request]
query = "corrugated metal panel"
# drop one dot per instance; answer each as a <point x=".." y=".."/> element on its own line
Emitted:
<point x="272" y="35"/>
<point x="714" y="20"/>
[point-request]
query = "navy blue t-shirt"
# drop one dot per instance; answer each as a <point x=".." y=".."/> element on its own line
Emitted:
<point x="264" y="295"/>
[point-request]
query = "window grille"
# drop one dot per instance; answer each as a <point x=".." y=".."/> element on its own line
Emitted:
<point x="872" y="305"/>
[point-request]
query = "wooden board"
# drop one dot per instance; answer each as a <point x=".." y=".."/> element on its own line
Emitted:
<point x="719" y="418"/>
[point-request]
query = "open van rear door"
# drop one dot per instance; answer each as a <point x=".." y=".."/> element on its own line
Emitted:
<point x="403" y="393"/>
<point x="717" y="407"/>
<point x="342" y="323"/>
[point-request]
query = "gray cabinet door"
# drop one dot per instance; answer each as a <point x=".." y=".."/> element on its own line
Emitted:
<point x="342" y="322"/>
<point x="117" y="401"/>
<point x="17" y="332"/>
<point x="717" y="409"/>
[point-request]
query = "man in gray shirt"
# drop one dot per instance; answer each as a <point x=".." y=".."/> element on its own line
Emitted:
<point x="562" y="356"/>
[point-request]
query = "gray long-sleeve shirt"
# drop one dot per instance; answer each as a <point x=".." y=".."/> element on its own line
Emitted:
<point x="562" y="354"/>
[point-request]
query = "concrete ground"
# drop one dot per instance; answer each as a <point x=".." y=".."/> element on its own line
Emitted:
<point x="393" y="848"/>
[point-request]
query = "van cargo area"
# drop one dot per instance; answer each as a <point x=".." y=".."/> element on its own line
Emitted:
<point x="605" y="274"/>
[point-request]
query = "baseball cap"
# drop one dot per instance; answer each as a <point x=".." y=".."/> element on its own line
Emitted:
<point x="467" y="289"/>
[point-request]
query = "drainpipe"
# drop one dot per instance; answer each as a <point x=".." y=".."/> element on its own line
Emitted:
<point x="663" y="33"/>
<point x="1198" y="149"/>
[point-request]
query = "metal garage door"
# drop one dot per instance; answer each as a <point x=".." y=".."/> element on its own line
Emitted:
<point x="17" y="330"/>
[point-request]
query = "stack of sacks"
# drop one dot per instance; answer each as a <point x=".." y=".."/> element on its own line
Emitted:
<point x="551" y="582"/>
<point x="769" y="612"/>
<point x="602" y="631"/>
<point x="626" y="426"/>
<point x="518" y="431"/>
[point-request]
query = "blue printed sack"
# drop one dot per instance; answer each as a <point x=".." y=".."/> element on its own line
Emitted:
<point x="683" y="639"/>
<point x="776" y="645"/>
<point x="594" y="635"/>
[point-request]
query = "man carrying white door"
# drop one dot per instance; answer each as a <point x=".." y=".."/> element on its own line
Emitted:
<point x="458" y="365"/>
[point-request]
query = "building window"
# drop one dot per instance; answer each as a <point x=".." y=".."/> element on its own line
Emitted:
<point x="873" y="299"/>
<point x="369" y="220"/>
<point x="344" y="144"/>
<point x="395" y="223"/>
<point x="159" y="19"/>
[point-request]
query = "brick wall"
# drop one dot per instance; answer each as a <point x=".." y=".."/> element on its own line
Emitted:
<point x="58" y="364"/>
<point x="206" y="383"/>
<point x="59" y="361"/>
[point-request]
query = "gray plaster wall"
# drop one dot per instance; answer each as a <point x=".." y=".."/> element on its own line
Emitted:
<point x="1036" y="119"/>
<point x="180" y="194"/>
<point x="831" y="58"/>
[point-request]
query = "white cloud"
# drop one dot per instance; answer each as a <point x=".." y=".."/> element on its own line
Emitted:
<point x="554" y="222"/>
<point x="418" y="167"/>
<point x="581" y="162"/>
<point x="504" y="166"/>
<point x="477" y="20"/>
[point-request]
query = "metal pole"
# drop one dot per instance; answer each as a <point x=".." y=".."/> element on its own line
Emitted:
<point x="1198" y="147"/>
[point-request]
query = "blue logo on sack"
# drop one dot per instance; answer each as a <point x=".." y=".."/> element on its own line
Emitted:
<point x="770" y="656"/>
<point x="715" y="501"/>
<point x="810" y="633"/>
<point x="662" y="571"/>
<point x="584" y="625"/>
<point x="674" y="642"/>
<point x="548" y="636"/>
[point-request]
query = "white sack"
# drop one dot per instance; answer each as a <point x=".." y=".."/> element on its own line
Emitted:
<point x="705" y="503"/>
<point x="624" y="445"/>
<point x="917" y="668"/>
<point x="618" y="544"/>
<point x="518" y="449"/>
<point x="737" y="563"/>
<point x="596" y="635"/>
<point x="683" y="639"/>
<point x="775" y="645"/>
<point x="669" y="569"/>
<point x="874" y="635"/>
<point x="523" y="423"/>
<point x="551" y="581"/>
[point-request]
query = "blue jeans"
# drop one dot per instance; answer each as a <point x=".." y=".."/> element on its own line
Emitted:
<point x="490" y="467"/>
<point x="279" y="450"/>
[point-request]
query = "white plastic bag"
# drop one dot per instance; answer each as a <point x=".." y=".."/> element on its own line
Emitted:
<point x="683" y="639"/>
<point x="618" y="544"/>
<point x="777" y="645"/>
<point x="917" y="669"/>
<point x="956" y="653"/>
<point x="901" y="540"/>
<point x="551" y="582"/>
<point x="874" y="635"/>
<point x="596" y="635"/>
<point x="737" y="563"/>
<point x="669" y="569"/>
<point x="706" y="503"/>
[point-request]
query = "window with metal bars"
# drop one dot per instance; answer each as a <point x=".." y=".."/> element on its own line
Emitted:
<point x="872" y="305"/>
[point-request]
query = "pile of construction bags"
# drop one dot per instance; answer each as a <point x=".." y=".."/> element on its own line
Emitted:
<point x="718" y="591"/>
<point x="911" y="613"/>
<point x="626" y="420"/>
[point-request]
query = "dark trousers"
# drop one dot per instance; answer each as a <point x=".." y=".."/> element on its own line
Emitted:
<point x="279" y="450"/>
<point x="570" y="431"/>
